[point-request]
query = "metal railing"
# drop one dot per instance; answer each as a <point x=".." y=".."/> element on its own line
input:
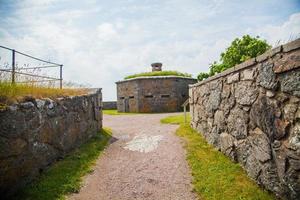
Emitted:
<point x="20" y="70"/>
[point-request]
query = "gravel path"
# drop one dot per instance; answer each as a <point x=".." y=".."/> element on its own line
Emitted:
<point x="145" y="161"/>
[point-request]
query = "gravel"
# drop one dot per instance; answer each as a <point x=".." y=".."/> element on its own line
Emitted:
<point x="145" y="160"/>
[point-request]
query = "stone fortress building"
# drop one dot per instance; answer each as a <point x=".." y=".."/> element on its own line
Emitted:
<point x="153" y="93"/>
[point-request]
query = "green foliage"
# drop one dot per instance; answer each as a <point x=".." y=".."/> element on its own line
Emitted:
<point x="202" y="75"/>
<point x="65" y="176"/>
<point x="215" y="176"/>
<point x="240" y="50"/>
<point x="159" y="73"/>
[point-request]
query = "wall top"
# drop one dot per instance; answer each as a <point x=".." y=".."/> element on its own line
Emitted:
<point x="251" y="62"/>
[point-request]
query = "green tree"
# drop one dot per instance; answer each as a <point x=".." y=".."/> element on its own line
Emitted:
<point x="240" y="50"/>
<point x="202" y="76"/>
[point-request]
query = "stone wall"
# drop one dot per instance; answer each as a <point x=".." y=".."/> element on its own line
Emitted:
<point x="251" y="113"/>
<point x="37" y="132"/>
<point x="109" y="105"/>
<point x="153" y="94"/>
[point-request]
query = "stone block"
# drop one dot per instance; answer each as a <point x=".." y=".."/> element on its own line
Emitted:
<point x="40" y="103"/>
<point x="246" y="93"/>
<point x="290" y="82"/>
<point x="291" y="46"/>
<point x="248" y="74"/>
<point x="242" y="149"/>
<point x="245" y="64"/>
<point x="287" y="62"/>
<point x="219" y="121"/>
<point x="237" y="123"/>
<point x="227" y="145"/>
<point x="233" y="78"/>
<point x="266" y="77"/>
<point x="27" y="105"/>
<point x="269" y="54"/>
<point x="262" y="115"/>
<point x="260" y="145"/>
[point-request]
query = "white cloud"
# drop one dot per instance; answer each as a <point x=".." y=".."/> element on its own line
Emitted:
<point x="99" y="46"/>
<point x="281" y="33"/>
<point x="107" y="31"/>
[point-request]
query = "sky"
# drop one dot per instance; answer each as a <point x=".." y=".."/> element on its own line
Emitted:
<point x="100" y="42"/>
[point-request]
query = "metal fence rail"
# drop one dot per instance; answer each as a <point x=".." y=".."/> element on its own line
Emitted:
<point x="13" y="70"/>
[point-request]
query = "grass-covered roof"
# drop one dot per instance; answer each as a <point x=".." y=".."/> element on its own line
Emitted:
<point x="159" y="73"/>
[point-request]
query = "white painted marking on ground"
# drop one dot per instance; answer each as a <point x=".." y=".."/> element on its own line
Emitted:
<point x="123" y="137"/>
<point x="144" y="143"/>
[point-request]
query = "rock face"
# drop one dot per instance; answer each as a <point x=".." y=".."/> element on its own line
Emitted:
<point x="251" y="113"/>
<point x="36" y="133"/>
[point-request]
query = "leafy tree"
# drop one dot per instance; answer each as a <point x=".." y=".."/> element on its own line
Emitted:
<point x="202" y="76"/>
<point x="240" y="50"/>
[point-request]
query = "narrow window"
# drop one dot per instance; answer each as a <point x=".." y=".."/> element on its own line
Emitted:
<point x="122" y="97"/>
<point x="165" y="96"/>
<point x="148" y="96"/>
<point x="131" y="97"/>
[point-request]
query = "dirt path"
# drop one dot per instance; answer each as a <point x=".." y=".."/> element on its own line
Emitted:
<point x="145" y="161"/>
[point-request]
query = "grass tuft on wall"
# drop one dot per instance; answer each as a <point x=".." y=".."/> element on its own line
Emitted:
<point x="15" y="92"/>
<point x="215" y="176"/>
<point x="65" y="176"/>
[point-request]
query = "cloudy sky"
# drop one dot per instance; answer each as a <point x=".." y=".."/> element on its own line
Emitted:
<point x="100" y="41"/>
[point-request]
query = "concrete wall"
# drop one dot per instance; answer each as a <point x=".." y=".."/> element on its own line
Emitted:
<point x="153" y="94"/>
<point x="109" y="105"/>
<point x="252" y="114"/>
<point x="36" y="133"/>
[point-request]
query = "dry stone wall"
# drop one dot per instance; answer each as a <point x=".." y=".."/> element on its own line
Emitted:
<point x="251" y="113"/>
<point x="36" y="133"/>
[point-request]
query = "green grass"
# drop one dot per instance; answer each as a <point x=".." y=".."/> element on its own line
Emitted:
<point x="159" y="73"/>
<point x="115" y="112"/>
<point x="15" y="92"/>
<point x="215" y="176"/>
<point x="176" y="119"/>
<point x="65" y="176"/>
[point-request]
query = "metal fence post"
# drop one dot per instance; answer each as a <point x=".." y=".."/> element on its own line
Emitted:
<point x="13" y="66"/>
<point x="60" y="82"/>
